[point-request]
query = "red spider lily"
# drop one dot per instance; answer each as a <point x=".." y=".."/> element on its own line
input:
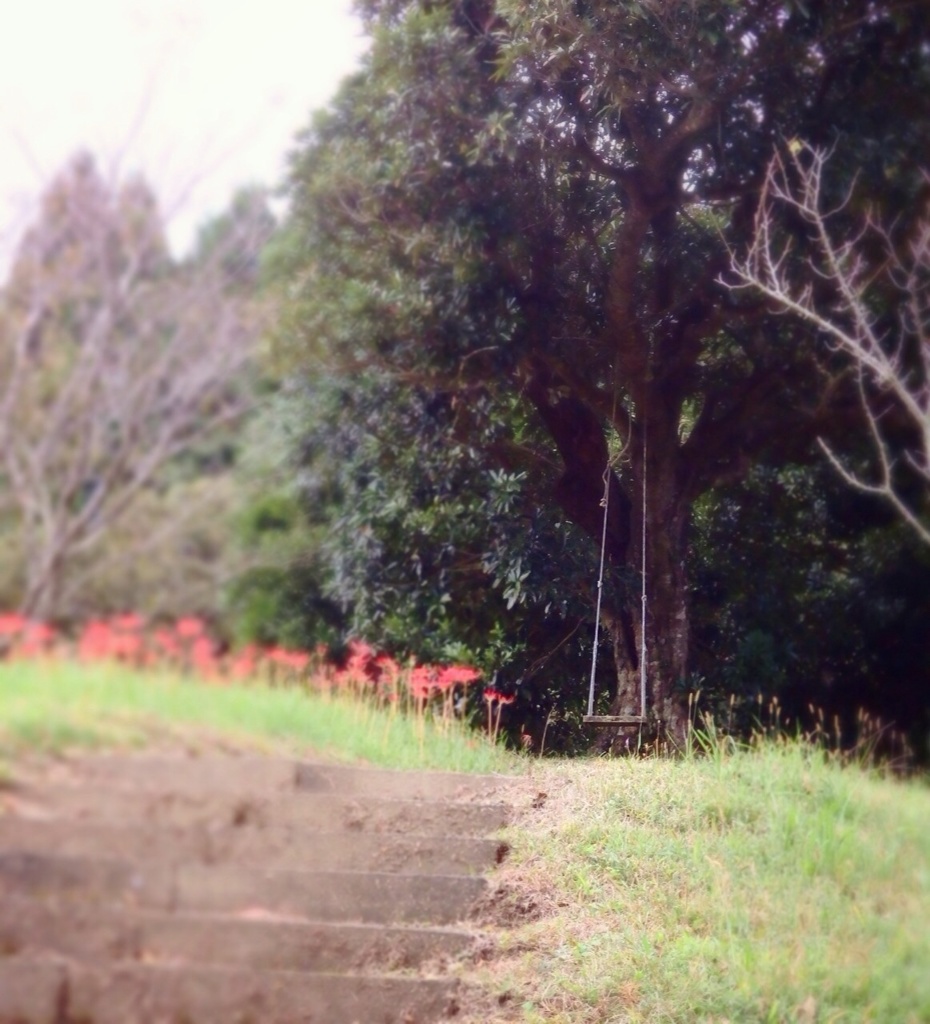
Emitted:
<point x="421" y="682"/>
<point x="299" y="660"/>
<point x="361" y="668"/>
<point x="243" y="666"/>
<point x="361" y="659"/>
<point x="11" y="624"/>
<point x="385" y="669"/>
<point x="296" y="661"/>
<point x="125" y="648"/>
<point x="100" y="640"/>
<point x="388" y="678"/>
<point x="491" y="696"/>
<point x="39" y="632"/>
<point x="34" y="640"/>
<point x="453" y="675"/>
<point x="190" y="628"/>
<point x="203" y="657"/>
<point x="94" y="642"/>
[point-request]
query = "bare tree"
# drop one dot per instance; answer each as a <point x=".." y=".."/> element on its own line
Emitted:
<point x="114" y="359"/>
<point x="841" y="287"/>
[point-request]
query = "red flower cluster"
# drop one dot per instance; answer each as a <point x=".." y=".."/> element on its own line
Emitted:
<point x="381" y="676"/>
<point x="25" y="638"/>
<point x="495" y="701"/>
<point x="187" y="646"/>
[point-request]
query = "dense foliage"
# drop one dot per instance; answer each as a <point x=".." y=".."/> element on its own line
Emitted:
<point x="518" y="216"/>
<point x="815" y="596"/>
<point x="505" y="294"/>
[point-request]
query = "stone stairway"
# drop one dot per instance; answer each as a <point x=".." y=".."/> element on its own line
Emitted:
<point x="217" y="889"/>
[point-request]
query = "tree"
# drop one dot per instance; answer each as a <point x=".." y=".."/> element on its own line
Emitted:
<point x="114" y="360"/>
<point x="430" y="550"/>
<point x="534" y="201"/>
<point x="869" y="295"/>
<point x="811" y="594"/>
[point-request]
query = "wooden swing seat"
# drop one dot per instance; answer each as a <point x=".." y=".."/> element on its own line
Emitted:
<point x="614" y="720"/>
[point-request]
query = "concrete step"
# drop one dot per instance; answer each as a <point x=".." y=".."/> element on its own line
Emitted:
<point x="268" y="848"/>
<point x="324" y="812"/>
<point x="259" y="941"/>
<point x="219" y="889"/>
<point x="397" y="785"/>
<point x="55" y="991"/>
<point x="352" y="897"/>
<point x="215" y="774"/>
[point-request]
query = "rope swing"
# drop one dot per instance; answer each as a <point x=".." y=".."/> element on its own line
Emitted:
<point x="591" y="718"/>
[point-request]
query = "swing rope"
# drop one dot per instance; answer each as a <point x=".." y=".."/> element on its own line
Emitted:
<point x="605" y="502"/>
<point x="642" y="638"/>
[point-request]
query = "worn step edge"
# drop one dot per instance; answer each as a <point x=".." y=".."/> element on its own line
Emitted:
<point x="271" y="849"/>
<point x="415" y="785"/>
<point x="297" y="809"/>
<point x="249" y="773"/>
<point x="364" y="897"/>
<point x="58" y="991"/>
<point x="93" y="933"/>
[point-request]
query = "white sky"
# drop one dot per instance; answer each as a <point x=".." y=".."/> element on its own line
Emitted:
<point x="183" y="89"/>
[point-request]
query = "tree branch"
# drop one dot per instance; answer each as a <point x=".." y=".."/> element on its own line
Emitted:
<point x="893" y="365"/>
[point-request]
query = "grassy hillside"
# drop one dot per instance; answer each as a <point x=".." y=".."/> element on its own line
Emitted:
<point x="766" y="885"/>
<point x="50" y="706"/>
<point x="770" y="885"/>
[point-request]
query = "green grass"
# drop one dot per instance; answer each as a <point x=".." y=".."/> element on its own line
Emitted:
<point x="770" y="885"/>
<point x="53" y="706"/>
<point x="767" y="885"/>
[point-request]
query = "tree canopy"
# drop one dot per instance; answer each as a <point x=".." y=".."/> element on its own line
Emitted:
<point x="530" y="205"/>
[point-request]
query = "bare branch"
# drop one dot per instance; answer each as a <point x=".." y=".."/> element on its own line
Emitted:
<point x="113" y="361"/>
<point x="893" y="362"/>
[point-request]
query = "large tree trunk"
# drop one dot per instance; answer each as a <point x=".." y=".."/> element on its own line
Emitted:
<point x="580" y="438"/>
<point x="667" y="623"/>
